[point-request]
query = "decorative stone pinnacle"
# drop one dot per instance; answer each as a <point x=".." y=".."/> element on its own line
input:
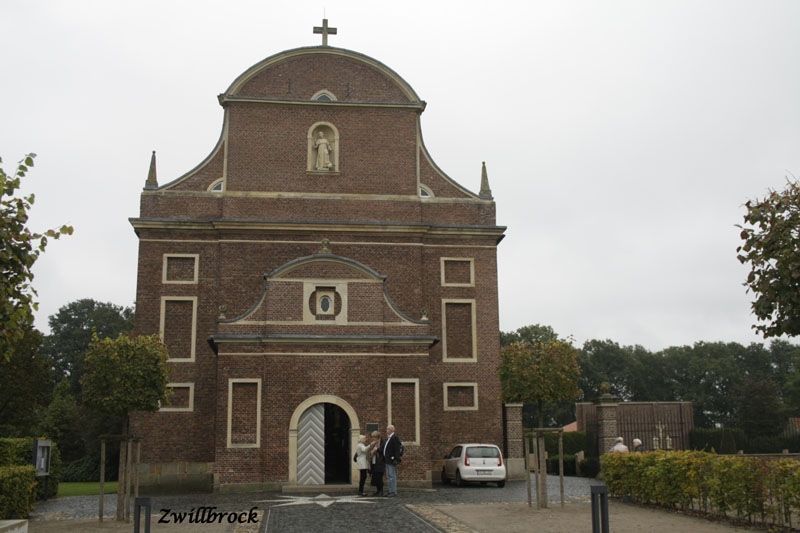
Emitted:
<point x="223" y="309"/>
<point x="486" y="192"/>
<point x="424" y="313"/>
<point x="152" y="182"/>
<point x="326" y="246"/>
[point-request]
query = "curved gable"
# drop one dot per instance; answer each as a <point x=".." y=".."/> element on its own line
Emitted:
<point x="324" y="266"/>
<point x="301" y="73"/>
<point x="289" y="294"/>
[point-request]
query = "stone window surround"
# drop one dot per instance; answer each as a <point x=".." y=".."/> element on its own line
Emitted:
<point x="415" y="382"/>
<point x="193" y="299"/>
<point x="474" y="358"/>
<point x="189" y="386"/>
<point x="473" y="384"/>
<point x="443" y="260"/>
<point x="332" y="286"/>
<point x="324" y="92"/>
<point x="166" y="281"/>
<point x="257" y="443"/>
<point x="217" y="183"/>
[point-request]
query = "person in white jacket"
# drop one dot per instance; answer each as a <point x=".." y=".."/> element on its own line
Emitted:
<point x="362" y="463"/>
<point x="619" y="446"/>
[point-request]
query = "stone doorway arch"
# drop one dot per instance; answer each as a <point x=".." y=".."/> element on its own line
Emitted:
<point x="295" y="421"/>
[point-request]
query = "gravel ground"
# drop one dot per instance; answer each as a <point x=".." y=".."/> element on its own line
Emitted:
<point x="444" y="509"/>
<point x="85" y="507"/>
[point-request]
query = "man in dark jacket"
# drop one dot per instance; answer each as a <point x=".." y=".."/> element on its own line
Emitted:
<point x="391" y="454"/>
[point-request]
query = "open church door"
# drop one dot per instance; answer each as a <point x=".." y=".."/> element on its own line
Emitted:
<point x="338" y="457"/>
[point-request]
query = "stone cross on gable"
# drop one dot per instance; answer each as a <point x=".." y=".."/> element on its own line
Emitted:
<point x="324" y="30"/>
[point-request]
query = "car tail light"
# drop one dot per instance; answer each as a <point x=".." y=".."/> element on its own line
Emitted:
<point x="466" y="460"/>
<point x="500" y="460"/>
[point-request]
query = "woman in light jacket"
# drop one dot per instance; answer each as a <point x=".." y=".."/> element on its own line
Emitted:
<point x="362" y="463"/>
<point x="377" y="463"/>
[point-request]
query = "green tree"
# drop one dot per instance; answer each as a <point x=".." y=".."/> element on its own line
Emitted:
<point x="19" y="250"/>
<point x="706" y="375"/>
<point x="539" y="373"/>
<point x="605" y="361"/>
<point x="24" y="386"/>
<point x="529" y="334"/>
<point x="758" y="408"/>
<point x="62" y="421"/>
<point x="771" y="235"/>
<point x="125" y="375"/>
<point x="71" y="330"/>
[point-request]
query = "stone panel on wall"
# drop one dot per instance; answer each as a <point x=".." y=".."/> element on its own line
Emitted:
<point x="458" y="318"/>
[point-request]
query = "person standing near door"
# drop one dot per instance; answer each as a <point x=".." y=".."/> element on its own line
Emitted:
<point x="362" y="463"/>
<point x="377" y="465"/>
<point x="391" y="455"/>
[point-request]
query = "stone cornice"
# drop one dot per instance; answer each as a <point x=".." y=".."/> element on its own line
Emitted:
<point x="318" y="196"/>
<point x="285" y="226"/>
<point x="225" y="99"/>
<point x="309" y="339"/>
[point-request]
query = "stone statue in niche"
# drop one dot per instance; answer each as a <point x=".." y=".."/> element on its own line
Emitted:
<point x="324" y="148"/>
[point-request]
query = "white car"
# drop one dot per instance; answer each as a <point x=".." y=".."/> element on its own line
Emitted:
<point x="474" y="462"/>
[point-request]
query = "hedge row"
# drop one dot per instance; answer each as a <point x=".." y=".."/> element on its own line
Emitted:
<point x="19" y="452"/>
<point x="731" y="440"/>
<point x="574" y="442"/>
<point x="589" y="466"/>
<point x="16" y="491"/>
<point x="745" y="487"/>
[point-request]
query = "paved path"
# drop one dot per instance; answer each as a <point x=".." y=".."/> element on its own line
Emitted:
<point x="443" y="509"/>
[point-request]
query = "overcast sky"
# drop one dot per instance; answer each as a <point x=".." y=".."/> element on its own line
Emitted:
<point x="621" y="138"/>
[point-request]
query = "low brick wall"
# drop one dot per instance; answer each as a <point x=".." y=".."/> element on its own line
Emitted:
<point x="176" y="477"/>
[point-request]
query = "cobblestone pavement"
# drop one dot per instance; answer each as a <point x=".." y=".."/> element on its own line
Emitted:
<point x="411" y="511"/>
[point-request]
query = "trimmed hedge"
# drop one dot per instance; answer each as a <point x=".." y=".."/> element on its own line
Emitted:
<point x="574" y="442"/>
<point x="731" y="440"/>
<point x="590" y="466"/>
<point x="16" y="491"/>
<point x="746" y="487"/>
<point x="19" y="452"/>
<point x="720" y="440"/>
<point x="569" y="465"/>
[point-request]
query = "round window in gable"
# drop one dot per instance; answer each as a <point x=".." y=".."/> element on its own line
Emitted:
<point x="325" y="304"/>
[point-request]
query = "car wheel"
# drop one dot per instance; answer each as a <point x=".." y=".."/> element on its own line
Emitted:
<point x="458" y="478"/>
<point x="501" y="484"/>
<point x="445" y="479"/>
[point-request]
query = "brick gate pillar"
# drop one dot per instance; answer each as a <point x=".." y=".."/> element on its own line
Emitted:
<point x="606" y="422"/>
<point x="513" y="429"/>
<point x="515" y="462"/>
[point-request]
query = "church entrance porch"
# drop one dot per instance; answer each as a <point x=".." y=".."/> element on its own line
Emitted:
<point x="323" y="433"/>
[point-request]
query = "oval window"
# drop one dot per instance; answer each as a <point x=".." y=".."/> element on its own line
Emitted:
<point x="325" y="304"/>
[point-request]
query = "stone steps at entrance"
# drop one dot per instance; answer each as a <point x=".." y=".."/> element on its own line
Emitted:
<point x="326" y="489"/>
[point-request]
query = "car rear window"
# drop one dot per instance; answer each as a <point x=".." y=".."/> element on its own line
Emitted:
<point x="483" y="451"/>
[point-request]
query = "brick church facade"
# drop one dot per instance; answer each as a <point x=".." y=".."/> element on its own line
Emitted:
<point x="315" y="277"/>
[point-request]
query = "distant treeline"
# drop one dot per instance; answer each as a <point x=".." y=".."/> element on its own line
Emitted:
<point x="755" y="388"/>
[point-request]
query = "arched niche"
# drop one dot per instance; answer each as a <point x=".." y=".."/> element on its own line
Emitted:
<point x="323" y="148"/>
<point x="355" y="426"/>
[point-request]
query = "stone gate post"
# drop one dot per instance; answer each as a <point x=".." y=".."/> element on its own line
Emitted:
<point x="607" y="422"/>
<point x="515" y="462"/>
